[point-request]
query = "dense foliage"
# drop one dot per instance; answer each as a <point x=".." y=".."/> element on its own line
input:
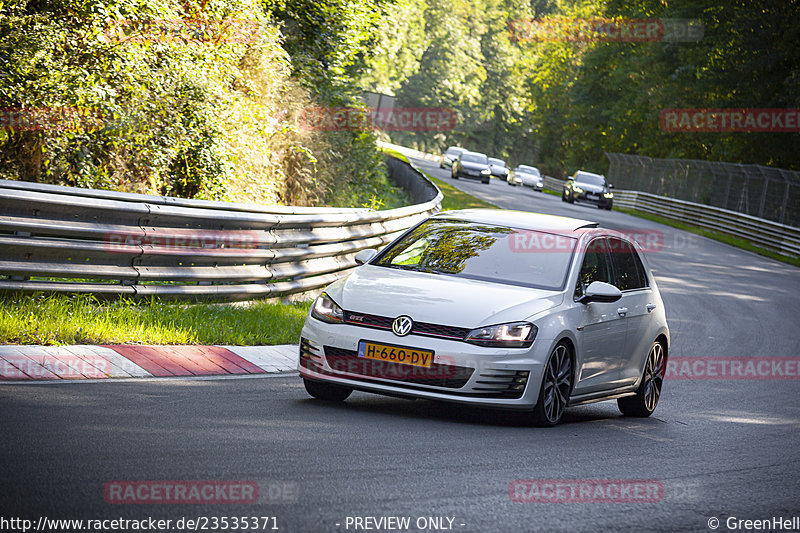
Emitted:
<point x="562" y="103"/>
<point x="207" y="98"/>
<point x="202" y="99"/>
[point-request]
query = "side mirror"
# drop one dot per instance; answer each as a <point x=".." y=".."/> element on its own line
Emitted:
<point x="571" y="178"/>
<point x="610" y="186"/>
<point x="365" y="256"/>
<point x="599" y="291"/>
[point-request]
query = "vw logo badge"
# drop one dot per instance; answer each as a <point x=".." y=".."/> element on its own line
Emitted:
<point x="402" y="325"/>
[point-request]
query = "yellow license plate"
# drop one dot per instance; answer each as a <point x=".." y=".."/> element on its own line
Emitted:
<point x="395" y="354"/>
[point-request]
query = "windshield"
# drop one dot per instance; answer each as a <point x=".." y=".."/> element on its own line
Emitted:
<point x="591" y="179"/>
<point x="483" y="252"/>
<point x="497" y="162"/>
<point x="528" y="170"/>
<point x="474" y="158"/>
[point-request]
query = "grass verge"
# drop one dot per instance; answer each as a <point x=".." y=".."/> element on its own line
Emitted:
<point x="83" y="319"/>
<point x="717" y="236"/>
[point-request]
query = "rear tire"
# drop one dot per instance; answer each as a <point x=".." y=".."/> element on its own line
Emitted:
<point x="649" y="391"/>
<point x="556" y="387"/>
<point x="326" y="391"/>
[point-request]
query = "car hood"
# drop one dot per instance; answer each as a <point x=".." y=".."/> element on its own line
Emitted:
<point x="438" y="299"/>
<point x="589" y="187"/>
<point x="473" y="166"/>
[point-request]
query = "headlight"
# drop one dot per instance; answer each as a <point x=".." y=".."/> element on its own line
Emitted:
<point x="326" y="310"/>
<point x="486" y="171"/>
<point x="576" y="188"/>
<point x="511" y="335"/>
<point x="608" y="195"/>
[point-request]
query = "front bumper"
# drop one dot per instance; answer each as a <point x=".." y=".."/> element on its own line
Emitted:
<point x="472" y="174"/>
<point x="461" y="372"/>
<point x="594" y="198"/>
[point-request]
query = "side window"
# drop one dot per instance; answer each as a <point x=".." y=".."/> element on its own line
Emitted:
<point x="596" y="266"/>
<point x="640" y="268"/>
<point x="628" y="268"/>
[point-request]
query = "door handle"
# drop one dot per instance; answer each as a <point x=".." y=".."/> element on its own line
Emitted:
<point x="622" y="311"/>
<point x="650" y="307"/>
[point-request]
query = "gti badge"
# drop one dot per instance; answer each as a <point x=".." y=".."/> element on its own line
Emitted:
<point x="402" y="325"/>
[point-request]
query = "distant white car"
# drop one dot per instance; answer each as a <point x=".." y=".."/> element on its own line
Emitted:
<point x="494" y="308"/>
<point x="450" y="155"/>
<point x="498" y="168"/>
<point x="526" y="175"/>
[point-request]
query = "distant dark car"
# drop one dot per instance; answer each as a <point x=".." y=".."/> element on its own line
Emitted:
<point x="472" y="165"/>
<point x="498" y="167"/>
<point x="450" y="155"/>
<point x="588" y="187"/>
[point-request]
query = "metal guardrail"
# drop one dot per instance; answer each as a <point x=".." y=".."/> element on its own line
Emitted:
<point x="758" y="231"/>
<point x="765" y="192"/>
<point x="64" y="239"/>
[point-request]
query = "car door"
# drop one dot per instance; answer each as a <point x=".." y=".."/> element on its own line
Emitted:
<point x="601" y="329"/>
<point x="637" y="303"/>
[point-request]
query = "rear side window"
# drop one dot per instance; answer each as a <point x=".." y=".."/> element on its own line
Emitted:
<point x="629" y="273"/>
<point x="596" y="266"/>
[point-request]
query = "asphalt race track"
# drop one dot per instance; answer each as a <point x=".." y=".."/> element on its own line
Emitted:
<point x="718" y="448"/>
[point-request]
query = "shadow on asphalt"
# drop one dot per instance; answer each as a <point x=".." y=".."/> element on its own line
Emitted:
<point x="456" y="413"/>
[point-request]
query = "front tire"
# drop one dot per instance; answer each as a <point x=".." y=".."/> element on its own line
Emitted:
<point x="556" y="388"/>
<point x="649" y="391"/>
<point x="326" y="391"/>
<point x="485" y="181"/>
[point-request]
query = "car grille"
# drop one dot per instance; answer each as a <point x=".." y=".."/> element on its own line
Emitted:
<point x="448" y="376"/>
<point x="501" y="383"/>
<point x="309" y="359"/>
<point x="420" y="328"/>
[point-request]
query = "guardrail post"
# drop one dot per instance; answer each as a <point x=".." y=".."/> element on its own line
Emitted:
<point x="785" y="202"/>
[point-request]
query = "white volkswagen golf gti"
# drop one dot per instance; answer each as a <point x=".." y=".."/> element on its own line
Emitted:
<point x="494" y="308"/>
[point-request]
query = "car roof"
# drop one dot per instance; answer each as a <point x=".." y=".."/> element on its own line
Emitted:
<point x="467" y="152"/>
<point x="455" y="149"/>
<point x="519" y="219"/>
